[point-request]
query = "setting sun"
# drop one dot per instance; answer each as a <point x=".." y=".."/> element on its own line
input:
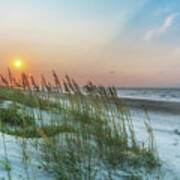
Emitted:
<point x="18" y="63"/>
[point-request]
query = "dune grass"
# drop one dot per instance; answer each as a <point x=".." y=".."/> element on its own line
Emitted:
<point x="94" y="136"/>
<point x="26" y="98"/>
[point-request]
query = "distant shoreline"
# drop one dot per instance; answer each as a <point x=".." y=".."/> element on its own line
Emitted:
<point x="149" y="88"/>
<point x="152" y="104"/>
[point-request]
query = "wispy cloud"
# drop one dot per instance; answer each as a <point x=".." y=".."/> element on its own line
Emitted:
<point x="156" y="31"/>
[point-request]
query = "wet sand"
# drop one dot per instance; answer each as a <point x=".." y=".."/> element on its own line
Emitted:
<point x="152" y="104"/>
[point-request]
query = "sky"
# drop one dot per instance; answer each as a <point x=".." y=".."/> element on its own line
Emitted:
<point x="122" y="43"/>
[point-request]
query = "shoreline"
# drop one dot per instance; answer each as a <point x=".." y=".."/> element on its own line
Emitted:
<point x="152" y="104"/>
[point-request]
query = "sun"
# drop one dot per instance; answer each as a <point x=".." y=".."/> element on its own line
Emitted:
<point x="18" y="63"/>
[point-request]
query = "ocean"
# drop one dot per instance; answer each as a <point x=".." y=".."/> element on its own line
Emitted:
<point x="165" y="94"/>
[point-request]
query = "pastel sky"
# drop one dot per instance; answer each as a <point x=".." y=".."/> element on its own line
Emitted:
<point x="112" y="42"/>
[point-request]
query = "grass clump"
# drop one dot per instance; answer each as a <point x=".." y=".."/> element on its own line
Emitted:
<point x="104" y="140"/>
<point x="94" y="139"/>
<point x="10" y="117"/>
<point x="26" y="98"/>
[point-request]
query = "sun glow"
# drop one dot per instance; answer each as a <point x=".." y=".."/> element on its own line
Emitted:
<point x="18" y="63"/>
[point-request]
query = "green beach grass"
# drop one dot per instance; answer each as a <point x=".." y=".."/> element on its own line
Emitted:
<point x="92" y="135"/>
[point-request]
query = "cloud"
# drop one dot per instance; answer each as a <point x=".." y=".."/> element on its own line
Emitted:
<point x="153" y="32"/>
